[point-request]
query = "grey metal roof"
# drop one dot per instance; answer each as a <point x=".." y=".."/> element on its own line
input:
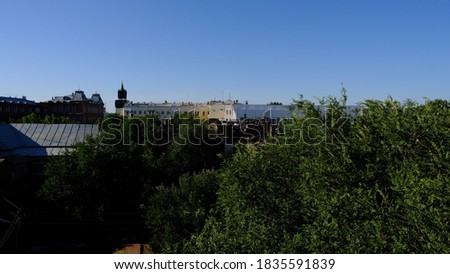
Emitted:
<point x="259" y="111"/>
<point x="96" y="98"/>
<point x="42" y="139"/>
<point x="79" y="96"/>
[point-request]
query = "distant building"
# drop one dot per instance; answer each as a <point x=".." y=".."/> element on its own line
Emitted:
<point x="75" y="106"/>
<point x="256" y="111"/>
<point x="162" y="110"/>
<point x="12" y="108"/>
<point x="211" y="111"/>
<point x="222" y="111"/>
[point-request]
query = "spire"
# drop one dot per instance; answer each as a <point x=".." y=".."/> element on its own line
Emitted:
<point x="122" y="93"/>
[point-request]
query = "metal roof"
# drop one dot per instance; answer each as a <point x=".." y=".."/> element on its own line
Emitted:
<point x="259" y="111"/>
<point x="78" y="96"/>
<point x="96" y="98"/>
<point x="41" y="140"/>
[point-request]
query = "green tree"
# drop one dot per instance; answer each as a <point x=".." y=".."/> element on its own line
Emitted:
<point x="377" y="183"/>
<point x="177" y="212"/>
<point x="92" y="180"/>
<point x="117" y="170"/>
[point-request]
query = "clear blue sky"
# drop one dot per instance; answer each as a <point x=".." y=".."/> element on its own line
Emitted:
<point x="256" y="50"/>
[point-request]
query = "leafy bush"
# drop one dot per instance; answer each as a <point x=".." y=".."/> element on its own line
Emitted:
<point x="175" y="213"/>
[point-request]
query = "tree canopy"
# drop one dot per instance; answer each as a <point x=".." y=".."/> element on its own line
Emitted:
<point x="374" y="179"/>
<point x="117" y="170"/>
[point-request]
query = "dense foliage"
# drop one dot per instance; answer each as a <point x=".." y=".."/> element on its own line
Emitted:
<point x="115" y="172"/>
<point x="374" y="179"/>
<point x="175" y="213"/>
<point x="371" y="179"/>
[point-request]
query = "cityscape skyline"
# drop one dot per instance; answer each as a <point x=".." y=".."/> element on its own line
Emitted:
<point x="204" y="50"/>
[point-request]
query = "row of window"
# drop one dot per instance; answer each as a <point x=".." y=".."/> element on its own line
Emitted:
<point x="61" y="109"/>
<point x="54" y="109"/>
<point x="15" y="109"/>
<point x="144" y="112"/>
<point x="168" y="112"/>
<point x="72" y="109"/>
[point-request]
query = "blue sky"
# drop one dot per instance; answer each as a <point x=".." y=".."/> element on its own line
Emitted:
<point x="256" y="50"/>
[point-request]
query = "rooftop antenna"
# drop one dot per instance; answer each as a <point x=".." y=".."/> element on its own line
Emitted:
<point x="222" y="95"/>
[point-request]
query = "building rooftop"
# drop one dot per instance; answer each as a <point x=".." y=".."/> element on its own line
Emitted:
<point x="16" y="100"/>
<point x="96" y="98"/>
<point x="78" y="96"/>
<point x="40" y="140"/>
